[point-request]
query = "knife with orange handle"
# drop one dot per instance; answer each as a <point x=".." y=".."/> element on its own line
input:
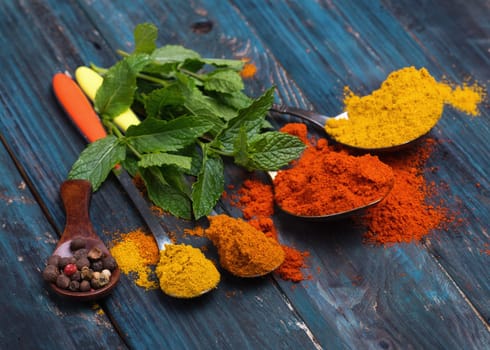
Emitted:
<point x="81" y="112"/>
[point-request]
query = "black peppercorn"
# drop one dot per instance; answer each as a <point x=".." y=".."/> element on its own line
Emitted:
<point x="74" y="286"/>
<point x="109" y="263"/>
<point x="77" y="276"/>
<point x="82" y="262"/>
<point x="50" y="273"/>
<point x="84" y="286"/>
<point x="97" y="265"/>
<point x="62" y="281"/>
<point x="54" y="260"/>
<point x="78" y="243"/>
<point x="80" y="253"/>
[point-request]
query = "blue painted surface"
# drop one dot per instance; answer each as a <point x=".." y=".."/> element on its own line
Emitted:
<point x="433" y="295"/>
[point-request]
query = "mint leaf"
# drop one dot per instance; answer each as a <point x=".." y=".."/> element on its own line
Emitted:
<point x="97" y="160"/>
<point x="272" y="150"/>
<point x="115" y="95"/>
<point x="164" y="194"/>
<point x="138" y="61"/>
<point x="240" y="147"/>
<point x="159" y="101"/>
<point x="225" y="81"/>
<point x="145" y="36"/>
<point x="209" y="186"/>
<point x="157" y="159"/>
<point x="172" y="54"/>
<point x="224" y="63"/>
<point x="154" y="135"/>
<point x="253" y="116"/>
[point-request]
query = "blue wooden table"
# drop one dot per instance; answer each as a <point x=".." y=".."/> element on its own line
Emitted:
<point x="433" y="295"/>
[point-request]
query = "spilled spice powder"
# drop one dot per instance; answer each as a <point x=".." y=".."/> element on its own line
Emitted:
<point x="249" y="69"/>
<point x="135" y="252"/>
<point x="405" y="215"/>
<point x="256" y="200"/>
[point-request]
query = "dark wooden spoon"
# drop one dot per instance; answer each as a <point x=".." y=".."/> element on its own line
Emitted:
<point x="76" y="199"/>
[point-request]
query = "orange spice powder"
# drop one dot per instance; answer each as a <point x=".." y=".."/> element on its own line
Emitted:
<point x="249" y="69"/>
<point x="256" y="199"/>
<point x="406" y="215"/>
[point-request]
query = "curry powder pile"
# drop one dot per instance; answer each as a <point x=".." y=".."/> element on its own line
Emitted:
<point x="243" y="250"/>
<point x="256" y="200"/>
<point x="407" y="105"/>
<point x="184" y="271"/>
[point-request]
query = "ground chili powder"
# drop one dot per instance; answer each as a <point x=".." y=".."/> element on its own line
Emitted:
<point x="406" y="215"/>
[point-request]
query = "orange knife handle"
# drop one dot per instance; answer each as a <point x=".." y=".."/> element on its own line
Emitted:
<point x="78" y="107"/>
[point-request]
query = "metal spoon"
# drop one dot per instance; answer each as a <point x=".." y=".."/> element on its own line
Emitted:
<point x="81" y="112"/>
<point x="320" y="120"/>
<point x="76" y="198"/>
<point x="358" y="211"/>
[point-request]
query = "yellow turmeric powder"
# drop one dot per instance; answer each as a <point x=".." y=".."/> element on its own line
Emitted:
<point x="243" y="250"/>
<point x="135" y="252"/>
<point x="407" y="105"/>
<point x="184" y="271"/>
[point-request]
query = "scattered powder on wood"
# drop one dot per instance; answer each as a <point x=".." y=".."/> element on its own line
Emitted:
<point x="136" y="252"/>
<point x="249" y="69"/>
<point x="406" y="214"/>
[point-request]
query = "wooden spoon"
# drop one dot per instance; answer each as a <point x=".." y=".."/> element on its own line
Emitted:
<point x="76" y="199"/>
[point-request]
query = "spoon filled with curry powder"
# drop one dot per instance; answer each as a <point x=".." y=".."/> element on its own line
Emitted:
<point x="406" y="107"/>
<point x="183" y="271"/>
<point x="243" y="250"/>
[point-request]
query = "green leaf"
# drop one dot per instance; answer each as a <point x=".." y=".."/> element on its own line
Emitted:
<point x="209" y="186"/>
<point x="164" y="194"/>
<point x="138" y="61"/>
<point x="236" y="65"/>
<point x="172" y="54"/>
<point x="240" y="147"/>
<point x="97" y="160"/>
<point x="145" y="36"/>
<point x="253" y="116"/>
<point x="273" y="150"/>
<point x="116" y="93"/>
<point x="225" y="81"/>
<point x="154" y="135"/>
<point x="159" y="101"/>
<point x="157" y="159"/>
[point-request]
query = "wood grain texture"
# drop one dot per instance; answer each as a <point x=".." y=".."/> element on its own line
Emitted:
<point x="406" y="296"/>
<point x="384" y="44"/>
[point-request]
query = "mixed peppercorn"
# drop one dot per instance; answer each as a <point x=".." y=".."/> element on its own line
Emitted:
<point x="85" y="270"/>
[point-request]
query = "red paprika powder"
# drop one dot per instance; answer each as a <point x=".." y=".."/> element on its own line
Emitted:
<point x="323" y="181"/>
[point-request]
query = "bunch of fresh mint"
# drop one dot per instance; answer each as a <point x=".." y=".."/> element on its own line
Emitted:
<point x="194" y="113"/>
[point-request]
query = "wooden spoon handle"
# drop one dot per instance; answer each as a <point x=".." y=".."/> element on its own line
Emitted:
<point x="76" y="199"/>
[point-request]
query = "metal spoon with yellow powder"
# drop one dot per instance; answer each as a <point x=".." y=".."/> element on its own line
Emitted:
<point x="406" y="107"/>
<point x="183" y="271"/>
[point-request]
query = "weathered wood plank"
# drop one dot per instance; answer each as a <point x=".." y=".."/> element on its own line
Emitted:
<point x="32" y="317"/>
<point x="360" y="296"/>
<point x="404" y="296"/>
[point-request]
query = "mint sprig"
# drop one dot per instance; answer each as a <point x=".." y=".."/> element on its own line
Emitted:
<point x="194" y="113"/>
